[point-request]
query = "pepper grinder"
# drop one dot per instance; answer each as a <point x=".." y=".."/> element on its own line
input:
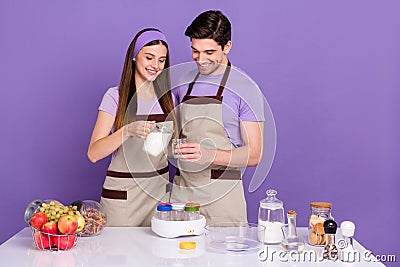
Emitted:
<point x="347" y="251"/>
<point x="330" y="249"/>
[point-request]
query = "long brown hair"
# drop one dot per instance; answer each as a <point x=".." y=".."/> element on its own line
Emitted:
<point x="127" y="85"/>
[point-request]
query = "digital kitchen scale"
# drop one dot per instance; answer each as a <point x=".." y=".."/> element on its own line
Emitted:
<point x="172" y="229"/>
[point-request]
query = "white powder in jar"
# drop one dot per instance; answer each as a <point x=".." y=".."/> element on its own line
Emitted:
<point x="273" y="232"/>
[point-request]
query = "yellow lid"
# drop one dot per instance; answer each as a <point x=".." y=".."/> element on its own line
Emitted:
<point x="187" y="245"/>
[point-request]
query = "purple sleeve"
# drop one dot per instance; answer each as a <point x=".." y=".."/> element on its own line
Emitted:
<point x="252" y="112"/>
<point x="252" y="108"/>
<point x="109" y="103"/>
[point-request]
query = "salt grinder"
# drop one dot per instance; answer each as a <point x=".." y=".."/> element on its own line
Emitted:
<point x="347" y="251"/>
<point x="330" y="249"/>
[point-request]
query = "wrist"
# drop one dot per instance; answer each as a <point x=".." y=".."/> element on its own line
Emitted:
<point x="125" y="132"/>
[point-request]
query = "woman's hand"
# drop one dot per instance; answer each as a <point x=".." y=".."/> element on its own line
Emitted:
<point x="194" y="152"/>
<point x="138" y="128"/>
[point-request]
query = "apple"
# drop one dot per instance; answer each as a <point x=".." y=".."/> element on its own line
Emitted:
<point x="64" y="242"/>
<point x="49" y="227"/>
<point x="67" y="224"/>
<point x="81" y="222"/>
<point x="38" y="219"/>
<point x="43" y="241"/>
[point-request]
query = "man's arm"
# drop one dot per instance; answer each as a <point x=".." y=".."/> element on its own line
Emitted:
<point x="248" y="155"/>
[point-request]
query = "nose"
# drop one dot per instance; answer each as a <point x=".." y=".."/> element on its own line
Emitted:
<point x="155" y="64"/>
<point x="202" y="57"/>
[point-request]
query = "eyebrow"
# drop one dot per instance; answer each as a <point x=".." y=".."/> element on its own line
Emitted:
<point x="154" y="55"/>
<point x="208" y="50"/>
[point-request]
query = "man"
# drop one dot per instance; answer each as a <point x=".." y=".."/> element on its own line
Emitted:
<point x="221" y="114"/>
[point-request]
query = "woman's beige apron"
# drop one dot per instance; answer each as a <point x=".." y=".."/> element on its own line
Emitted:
<point x="218" y="189"/>
<point x="135" y="181"/>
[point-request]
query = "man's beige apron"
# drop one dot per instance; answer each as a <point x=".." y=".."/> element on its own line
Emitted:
<point x="135" y="181"/>
<point x="218" y="189"/>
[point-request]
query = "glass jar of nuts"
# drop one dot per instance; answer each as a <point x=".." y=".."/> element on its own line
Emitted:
<point x="95" y="217"/>
<point x="320" y="212"/>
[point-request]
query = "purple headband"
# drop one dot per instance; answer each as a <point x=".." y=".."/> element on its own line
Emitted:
<point x="147" y="37"/>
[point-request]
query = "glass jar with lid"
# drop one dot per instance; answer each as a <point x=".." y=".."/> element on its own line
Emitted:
<point x="192" y="211"/>
<point x="320" y="212"/>
<point x="271" y="216"/>
<point x="164" y="212"/>
<point x="178" y="211"/>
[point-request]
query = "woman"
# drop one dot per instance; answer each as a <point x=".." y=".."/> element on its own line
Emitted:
<point x="136" y="181"/>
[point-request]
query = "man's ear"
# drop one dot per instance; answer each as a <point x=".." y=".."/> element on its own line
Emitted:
<point x="227" y="47"/>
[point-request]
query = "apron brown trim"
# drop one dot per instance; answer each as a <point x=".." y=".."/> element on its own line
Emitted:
<point x="226" y="174"/>
<point x="154" y="117"/>
<point x="201" y="100"/>
<point x="114" y="194"/>
<point x="221" y="174"/>
<point x="137" y="174"/>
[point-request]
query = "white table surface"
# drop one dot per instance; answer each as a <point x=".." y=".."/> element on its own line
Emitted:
<point x="136" y="246"/>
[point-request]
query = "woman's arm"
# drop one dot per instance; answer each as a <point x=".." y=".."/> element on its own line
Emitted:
<point x="103" y="143"/>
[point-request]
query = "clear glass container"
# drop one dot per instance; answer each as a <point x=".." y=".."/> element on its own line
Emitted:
<point x="271" y="216"/>
<point x="192" y="212"/>
<point x="94" y="215"/>
<point x="178" y="211"/>
<point x="176" y="142"/>
<point x="292" y="241"/>
<point x="330" y="249"/>
<point x="164" y="212"/>
<point x="35" y="206"/>
<point x="320" y="212"/>
<point x="347" y="252"/>
<point x="234" y="237"/>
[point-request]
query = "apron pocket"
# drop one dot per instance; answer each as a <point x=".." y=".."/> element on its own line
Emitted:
<point x="114" y="194"/>
<point x="114" y="203"/>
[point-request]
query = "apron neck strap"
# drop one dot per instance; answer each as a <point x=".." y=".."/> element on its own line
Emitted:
<point x="221" y="86"/>
<point x="224" y="79"/>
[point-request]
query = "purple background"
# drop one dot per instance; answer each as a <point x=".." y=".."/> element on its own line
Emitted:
<point x="329" y="70"/>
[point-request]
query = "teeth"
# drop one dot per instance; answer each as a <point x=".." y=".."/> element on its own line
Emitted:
<point x="152" y="71"/>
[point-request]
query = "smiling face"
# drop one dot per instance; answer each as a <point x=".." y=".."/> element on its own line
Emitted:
<point x="209" y="55"/>
<point x="149" y="62"/>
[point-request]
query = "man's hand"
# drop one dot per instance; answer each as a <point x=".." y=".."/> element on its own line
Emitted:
<point x="195" y="152"/>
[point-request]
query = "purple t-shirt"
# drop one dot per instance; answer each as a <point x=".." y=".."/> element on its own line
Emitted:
<point x="242" y="100"/>
<point x="109" y="104"/>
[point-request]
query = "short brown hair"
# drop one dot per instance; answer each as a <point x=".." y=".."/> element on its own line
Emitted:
<point x="210" y="24"/>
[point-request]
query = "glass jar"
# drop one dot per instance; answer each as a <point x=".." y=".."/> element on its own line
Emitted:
<point x="330" y="249"/>
<point x="192" y="212"/>
<point x="320" y="212"/>
<point x="292" y="242"/>
<point x="164" y="212"/>
<point x="178" y="211"/>
<point x="175" y="142"/>
<point x="36" y="205"/>
<point x="32" y="208"/>
<point x="94" y="215"/>
<point x="271" y="216"/>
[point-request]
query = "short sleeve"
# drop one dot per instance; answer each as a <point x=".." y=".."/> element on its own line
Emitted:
<point x="109" y="103"/>
<point x="251" y="109"/>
